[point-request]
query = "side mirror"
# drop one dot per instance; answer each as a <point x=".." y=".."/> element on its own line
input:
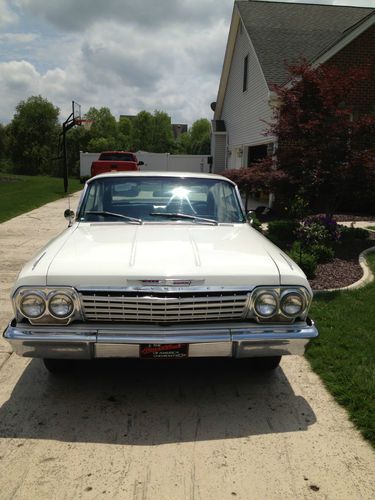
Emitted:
<point x="250" y="217"/>
<point x="69" y="215"/>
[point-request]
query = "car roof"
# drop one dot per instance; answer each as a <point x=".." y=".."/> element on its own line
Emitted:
<point x="182" y="175"/>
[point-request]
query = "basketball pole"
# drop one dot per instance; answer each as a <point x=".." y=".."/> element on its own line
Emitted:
<point x="67" y="125"/>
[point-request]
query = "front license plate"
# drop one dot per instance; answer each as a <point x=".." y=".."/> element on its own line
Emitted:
<point x="163" y="351"/>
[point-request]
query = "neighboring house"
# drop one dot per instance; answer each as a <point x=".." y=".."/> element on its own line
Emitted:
<point x="263" y="36"/>
<point x="178" y="129"/>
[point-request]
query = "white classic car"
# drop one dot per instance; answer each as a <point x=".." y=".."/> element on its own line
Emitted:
<point x="160" y="265"/>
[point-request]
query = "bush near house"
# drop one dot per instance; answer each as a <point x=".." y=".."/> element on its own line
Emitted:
<point x="306" y="261"/>
<point x="352" y="233"/>
<point x="282" y="231"/>
<point x="314" y="240"/>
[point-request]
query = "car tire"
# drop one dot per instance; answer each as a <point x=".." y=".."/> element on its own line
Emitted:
<point x="268" y="362"/>
<point x="58" y="366"/>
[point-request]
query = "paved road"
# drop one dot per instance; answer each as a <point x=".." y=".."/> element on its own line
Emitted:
<point x="166" y="431"/>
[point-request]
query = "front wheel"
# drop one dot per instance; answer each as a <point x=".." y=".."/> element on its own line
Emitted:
<point x="268" y="362"/>
<point x="58" y="366"/>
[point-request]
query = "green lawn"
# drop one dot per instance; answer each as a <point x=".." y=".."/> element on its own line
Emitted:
<point x="372" y="228"/>
<point x="21" y="193"/>
<point x="344" y="354"/>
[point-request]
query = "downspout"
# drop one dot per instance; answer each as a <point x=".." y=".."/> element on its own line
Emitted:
<point x="226" y="150"/>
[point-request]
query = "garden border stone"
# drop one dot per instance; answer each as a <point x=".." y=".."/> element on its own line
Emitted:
<point x="367" y="277"/>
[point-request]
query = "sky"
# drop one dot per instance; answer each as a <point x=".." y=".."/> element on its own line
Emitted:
<point x="124" y="54"/>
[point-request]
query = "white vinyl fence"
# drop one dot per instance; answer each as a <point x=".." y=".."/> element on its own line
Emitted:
<point x="153" y="162"/>
<point x="166" y="162"/>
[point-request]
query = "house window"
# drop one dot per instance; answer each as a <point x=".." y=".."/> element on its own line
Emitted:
<point x="256" y="153"/>
<point x="245" y="71"/>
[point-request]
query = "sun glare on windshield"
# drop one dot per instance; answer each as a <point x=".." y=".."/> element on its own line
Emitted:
<point x="180" y="192"/>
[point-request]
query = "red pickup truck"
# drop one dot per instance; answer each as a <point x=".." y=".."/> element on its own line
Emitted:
<point x="115" y="161"/>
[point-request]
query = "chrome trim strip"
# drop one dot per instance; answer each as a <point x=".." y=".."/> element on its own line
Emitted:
<point x="166" y="289"/>
<point x="83" y="341"/>
<point x="38" y="260"/>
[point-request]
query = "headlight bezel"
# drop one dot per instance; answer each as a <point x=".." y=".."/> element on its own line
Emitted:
<point x="288" y="294"/>
<point x="258" y="296"/>
<point x="29" y="294"/>
<point x="53" y="296"/>
<point x="281" y="293"/>
<point x="47" y="293"/>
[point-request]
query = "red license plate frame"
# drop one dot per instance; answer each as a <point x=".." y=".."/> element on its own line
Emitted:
<point x="163" y="351"/>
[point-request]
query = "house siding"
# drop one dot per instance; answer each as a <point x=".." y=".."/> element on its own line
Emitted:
<point x="218" y="150"/>
<point x="360" y="52"/>
<point x="245" y="113"/>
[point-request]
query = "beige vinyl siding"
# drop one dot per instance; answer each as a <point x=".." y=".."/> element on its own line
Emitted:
<point x="244" y="112"/>
<point x="219" y="144"/>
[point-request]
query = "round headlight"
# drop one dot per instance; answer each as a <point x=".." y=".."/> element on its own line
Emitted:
<point x="266" y="305"/>
<point x="32" y="305"/>
<point x="292" y="304"/>
<point x="61" y="305"/>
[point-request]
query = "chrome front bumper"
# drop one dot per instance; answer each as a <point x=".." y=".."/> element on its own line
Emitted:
<point x="85" y="341"/>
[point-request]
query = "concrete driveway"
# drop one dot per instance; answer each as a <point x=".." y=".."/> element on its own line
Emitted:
<point x="194" y="430"/>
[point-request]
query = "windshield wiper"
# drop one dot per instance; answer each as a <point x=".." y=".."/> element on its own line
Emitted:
<point x="185" y="216"/>
<point x="113" y="214"/>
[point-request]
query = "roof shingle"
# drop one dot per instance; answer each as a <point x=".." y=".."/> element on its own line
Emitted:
<point x="288" y="31"/>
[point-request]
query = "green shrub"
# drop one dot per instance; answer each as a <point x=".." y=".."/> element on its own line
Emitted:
<point x="348" y="234"/>
<point x="322" y="253"/>
<point x="282" y="231"/>
<point x="256" y="224"/>
<point x="306" y="261"/>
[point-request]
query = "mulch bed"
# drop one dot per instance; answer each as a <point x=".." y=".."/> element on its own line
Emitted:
<point x="344" y="269"/>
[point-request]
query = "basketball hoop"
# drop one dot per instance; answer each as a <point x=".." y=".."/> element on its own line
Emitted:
<point x="75" y="118"/>
<point x="83" y="122"/>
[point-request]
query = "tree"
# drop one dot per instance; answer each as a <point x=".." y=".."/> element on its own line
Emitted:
<point x="322" y="145"/>
<point x="197" y="140"/>
<point x="104" y="132"/>
<point x="142" y="131"/>
<point x="125" y="133"/>
<point x="2" y="141"/>
<point x="77" y="139"/>
<point x="34" y="136"/>
<point x="162" y="140"/>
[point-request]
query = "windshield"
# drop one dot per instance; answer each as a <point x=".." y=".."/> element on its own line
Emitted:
<point x="161" y="199"/>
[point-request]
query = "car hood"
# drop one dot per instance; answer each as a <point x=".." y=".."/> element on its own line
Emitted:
<point x="118" y="255"/>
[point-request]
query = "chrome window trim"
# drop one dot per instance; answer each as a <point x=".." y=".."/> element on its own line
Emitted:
<point x="224" y="179"/>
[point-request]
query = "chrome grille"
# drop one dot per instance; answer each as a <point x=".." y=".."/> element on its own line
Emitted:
<point x="163" y="308"/>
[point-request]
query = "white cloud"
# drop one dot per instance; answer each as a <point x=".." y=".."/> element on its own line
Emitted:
<point x="18" y="37"/>
<point x="7" y="15"/>
<point x="122" y="54"/>
<point x="124" y="68"/>
<point x="81" y="15"/>
<point x="18" y="75"/>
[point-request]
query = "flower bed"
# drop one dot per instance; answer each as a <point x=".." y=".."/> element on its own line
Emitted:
<point x="327" y="252"/>
<point x="344" y="269"/>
